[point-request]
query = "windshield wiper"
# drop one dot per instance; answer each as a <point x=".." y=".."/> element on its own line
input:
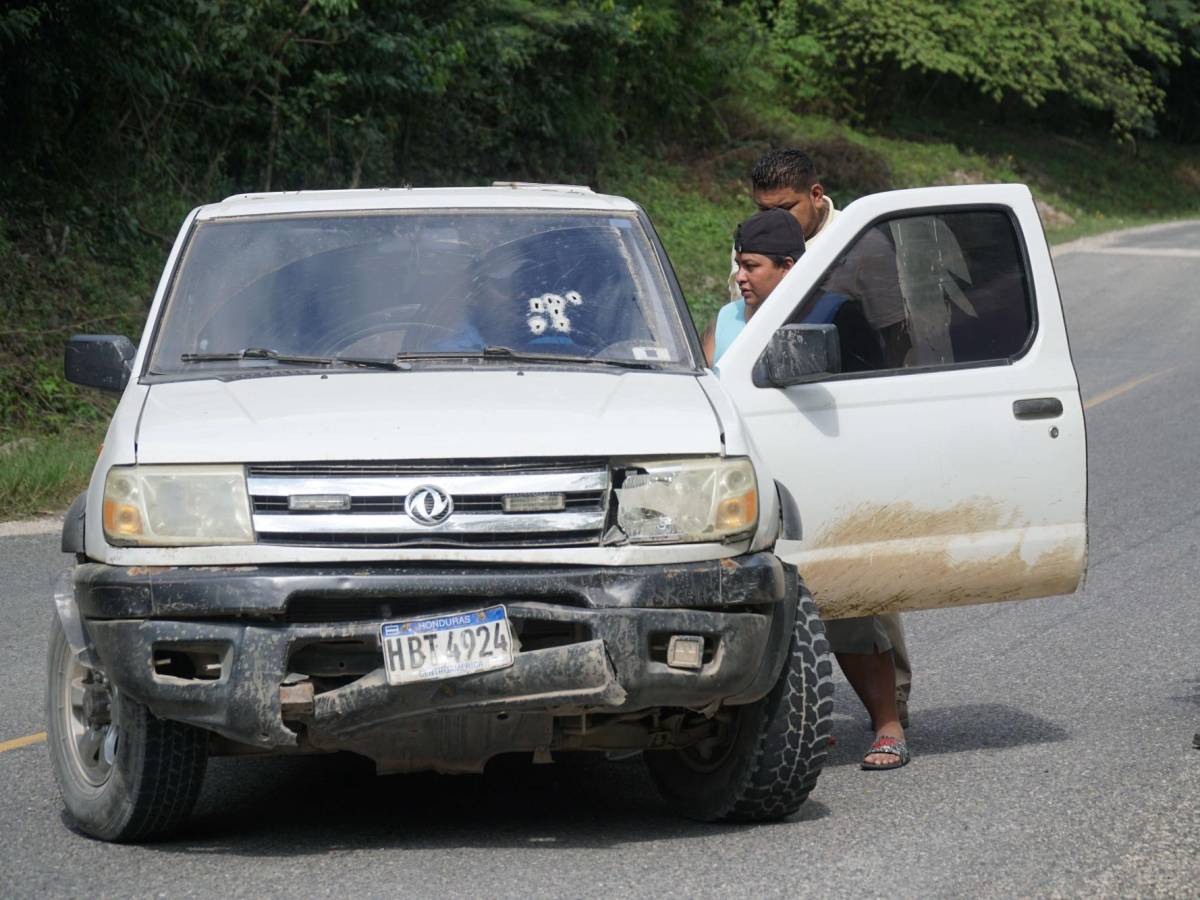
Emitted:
<point x="493" y="352"/>
<point x="509" y="353"/>
<point x="289" y="358"/>
<point x="400" y="360"/>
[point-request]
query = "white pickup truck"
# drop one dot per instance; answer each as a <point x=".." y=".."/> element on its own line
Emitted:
<point x="435" y="475"/>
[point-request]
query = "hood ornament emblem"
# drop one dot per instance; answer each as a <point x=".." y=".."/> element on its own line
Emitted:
<point x="428" y="505"/>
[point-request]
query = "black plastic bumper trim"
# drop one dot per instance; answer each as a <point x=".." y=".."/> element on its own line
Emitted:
<point x="611" y="671"/>
<point x="263" y="592"/>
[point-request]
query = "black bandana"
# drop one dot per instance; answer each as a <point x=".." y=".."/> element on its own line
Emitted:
<point x="773" y="232"/>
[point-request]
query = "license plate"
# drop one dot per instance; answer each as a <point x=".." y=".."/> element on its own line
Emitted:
<point x="446" y="646"/>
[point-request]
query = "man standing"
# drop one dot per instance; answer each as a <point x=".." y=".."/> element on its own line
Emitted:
<point x="787" y="180"/>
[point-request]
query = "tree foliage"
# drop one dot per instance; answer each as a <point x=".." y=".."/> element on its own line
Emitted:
<point x="1101" y="55"/>
<point x="1180" y="120"/>
<point x="210" y="94"/>
<point x="287" y="93"/>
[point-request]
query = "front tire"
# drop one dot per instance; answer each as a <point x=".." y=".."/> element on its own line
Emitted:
<point x="124" y="774"/>
<point x="773" y="750"/>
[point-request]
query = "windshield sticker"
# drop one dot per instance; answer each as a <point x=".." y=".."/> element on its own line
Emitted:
<point x="651" y="354"/>
<point x="555" y="306"/>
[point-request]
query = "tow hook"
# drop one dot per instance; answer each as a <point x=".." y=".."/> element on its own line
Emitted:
<point x="296" y="700"/>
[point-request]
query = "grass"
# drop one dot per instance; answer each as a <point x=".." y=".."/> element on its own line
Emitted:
<point x="694" y="198"/>
<point x="41" y="474"/>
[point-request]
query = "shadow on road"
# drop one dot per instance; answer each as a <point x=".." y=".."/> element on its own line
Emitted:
<point x="268" y="808"/>
<point x="1193" y="697"/>
<point x="951" y="729"/>
<point x="285" y="807"/>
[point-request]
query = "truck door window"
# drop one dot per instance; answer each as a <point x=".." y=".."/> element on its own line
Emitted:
<point x="939" y="289"/>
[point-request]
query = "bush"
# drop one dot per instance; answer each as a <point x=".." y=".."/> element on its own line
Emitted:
<point x="868" y="55"/>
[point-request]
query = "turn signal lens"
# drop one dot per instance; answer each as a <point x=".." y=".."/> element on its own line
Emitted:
<point x="121" y="519"/>
<point x="737" y="513"/>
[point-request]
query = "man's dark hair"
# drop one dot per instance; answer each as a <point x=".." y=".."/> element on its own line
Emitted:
<point x="783" y="169"/>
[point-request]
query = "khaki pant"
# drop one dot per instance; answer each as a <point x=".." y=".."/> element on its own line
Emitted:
<point x="895" y="632"/>
<point x="874" y="634"/>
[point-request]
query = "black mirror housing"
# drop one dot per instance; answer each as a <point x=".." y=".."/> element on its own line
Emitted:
<point x="102" y="361"/>
<point x="798" y="354"/>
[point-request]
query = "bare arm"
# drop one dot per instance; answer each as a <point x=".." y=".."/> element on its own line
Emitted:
<point x="709" y="340"/>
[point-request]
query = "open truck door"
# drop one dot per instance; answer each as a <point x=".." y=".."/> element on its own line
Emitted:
<point x="910" y="385"/>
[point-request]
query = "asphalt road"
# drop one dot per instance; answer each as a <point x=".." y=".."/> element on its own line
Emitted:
<point x="1052" y="738"/>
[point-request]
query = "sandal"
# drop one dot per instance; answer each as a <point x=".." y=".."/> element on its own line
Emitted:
<point x="889" y="746"/>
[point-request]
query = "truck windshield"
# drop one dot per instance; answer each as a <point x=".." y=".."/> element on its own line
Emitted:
<point x="434" y="285"/>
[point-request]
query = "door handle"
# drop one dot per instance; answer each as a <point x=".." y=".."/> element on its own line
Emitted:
<point x="1038" y="408"/>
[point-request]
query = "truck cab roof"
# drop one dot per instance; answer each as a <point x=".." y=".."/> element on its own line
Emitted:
<point x="501" y="195"/>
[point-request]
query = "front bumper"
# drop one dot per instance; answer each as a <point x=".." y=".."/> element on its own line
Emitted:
<point x="298" y="659"/>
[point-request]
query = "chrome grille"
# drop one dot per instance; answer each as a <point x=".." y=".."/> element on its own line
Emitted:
<point x="497" y="541"/>
<point x="422" y="467"/>
<point x="377" y="492"/>
<point x="463" y="503"/>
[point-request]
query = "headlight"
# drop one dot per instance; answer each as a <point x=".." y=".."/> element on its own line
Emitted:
<point x="688" y="500"/>
<point x="175" y="506"/>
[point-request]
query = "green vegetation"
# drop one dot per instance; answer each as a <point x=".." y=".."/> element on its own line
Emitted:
<point x="43" y="473"/>
<point x="120" y="117"/>
<point x="1101" y="54"/>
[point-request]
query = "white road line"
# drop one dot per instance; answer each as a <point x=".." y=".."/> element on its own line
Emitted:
<point x="46" y="525"/>
<point x="1179" y="252"/>
<point x="1097" y="243"/>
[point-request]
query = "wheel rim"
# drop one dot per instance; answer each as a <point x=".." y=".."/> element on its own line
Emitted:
<point x="709" y="754"/>
<point x="88" y="710"/>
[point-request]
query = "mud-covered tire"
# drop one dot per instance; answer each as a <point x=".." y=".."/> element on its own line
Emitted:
<point x="777" y="746"/>
<point x="148" y="782"/>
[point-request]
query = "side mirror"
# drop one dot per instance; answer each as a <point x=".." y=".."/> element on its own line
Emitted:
<point x="102" y="361"/>
<point x="798" y="354"/>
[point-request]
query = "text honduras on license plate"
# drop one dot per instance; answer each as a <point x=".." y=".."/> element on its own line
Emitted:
<point x="446" y="646"/>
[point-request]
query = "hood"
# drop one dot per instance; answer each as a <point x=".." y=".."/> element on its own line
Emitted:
<point x="427" y="415"/>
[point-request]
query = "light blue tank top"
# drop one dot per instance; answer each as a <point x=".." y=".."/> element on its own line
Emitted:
<point x="731" y="319"/>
